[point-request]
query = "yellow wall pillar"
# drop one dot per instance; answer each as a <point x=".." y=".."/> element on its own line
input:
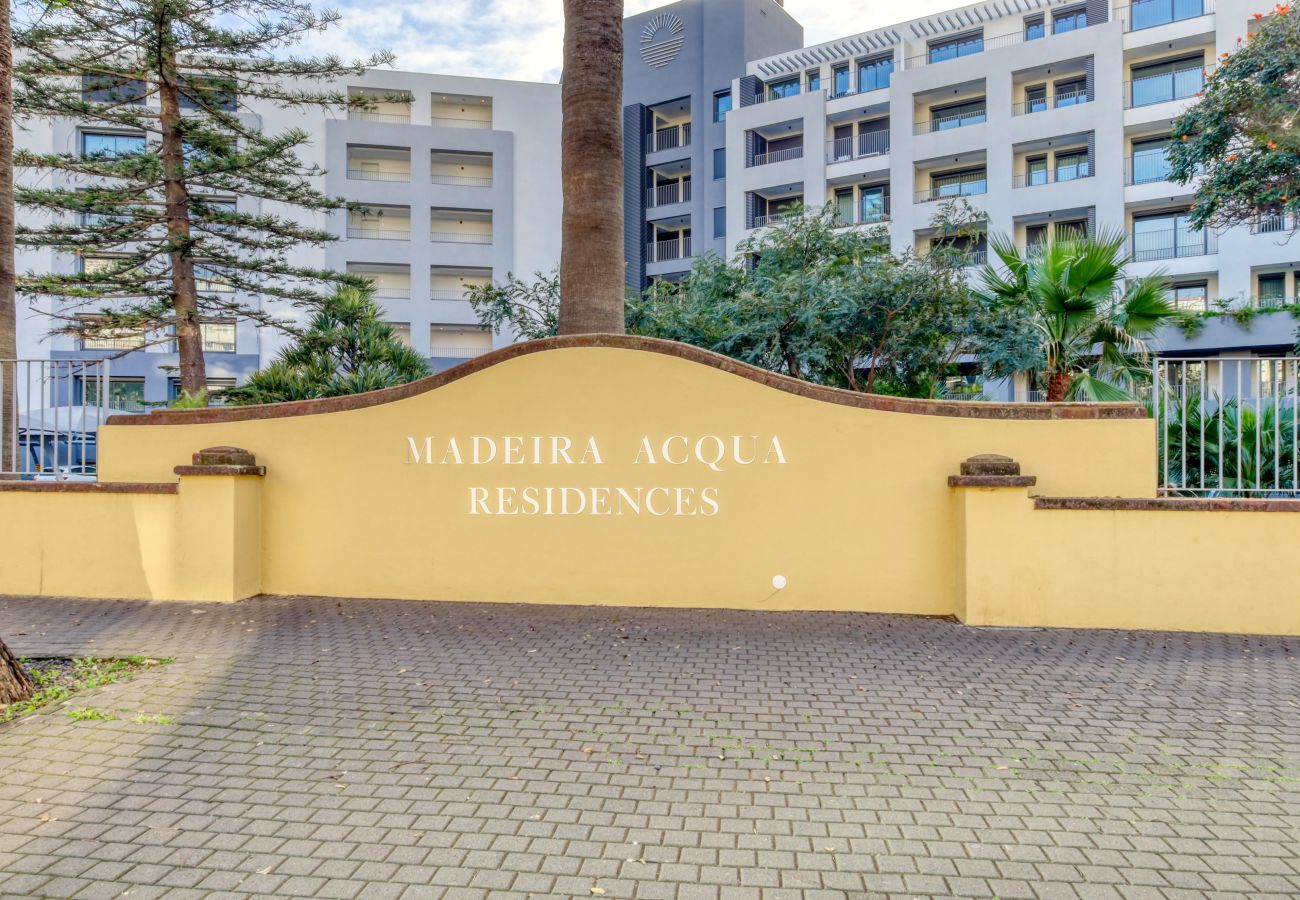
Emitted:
<point x="990" y="492"/>
<point x="219" y="545"/>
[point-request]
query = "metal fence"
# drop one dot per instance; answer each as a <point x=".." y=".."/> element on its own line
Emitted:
<point x="52" y="410"/>
<point x="1227" y="426"/>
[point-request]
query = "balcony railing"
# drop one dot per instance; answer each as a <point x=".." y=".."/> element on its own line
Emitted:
<point x="987" y="43"/>
<point x="446" y="295"/>
<point x="1145" y="170"/>
<point x="1274" y="223"/>
<point x="1056" y="101"/>
<point x="1052" y="176"/>
<point x="1145" y="14"/>
<point x="378" y="233"/>
<point x="377" y="175"/>
<point x="668" y="194"/>
<point x="1177" y="85"/>
<point x="873" y="143"/>
<point x="365" y="115"/>
<point x="776" y="156"/>
<point x="665" y="251"/>
<point x="769" y="219"/>
<point x="669" y="138"/>
<point x="874" y="213"/>
<point x="454" y="122"/>
<point x="459" y="237"/>
<point x="1274" y="302"/>
<point x="392" y="293"/>
<point x="462" y="180"/>
<point x="945" y="123"/>
<point x="1173" y="243"/>
<point x="952" y="191"/>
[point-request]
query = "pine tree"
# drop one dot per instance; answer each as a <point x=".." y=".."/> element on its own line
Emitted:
<point x="346" y="349"/>
<point x="152" y="214"/>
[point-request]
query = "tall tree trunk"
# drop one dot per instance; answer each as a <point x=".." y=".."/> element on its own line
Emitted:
<point x="1058" y="386"/>
<point x="591" y="256"/>
<point x="15" y="684"/>
<point x="8" y="266"/>
<point x="185" y="299"/>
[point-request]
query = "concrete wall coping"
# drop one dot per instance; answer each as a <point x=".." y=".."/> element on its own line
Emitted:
<point x="88" y="487"/>
<point x="1169" y="504"/>
<point x="963" y="410"/>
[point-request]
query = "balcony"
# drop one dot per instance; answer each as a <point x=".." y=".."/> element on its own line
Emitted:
<point x="1145" y="14"/>
<point x="776" y="156"/>
<point x="1173" y="243"/>
<point x="1176" y="85"/>
<point x="953" y="191"/>
<point x="1145" y="169"/>
<point x="460" y="169"/>
<point x="1052" y="176"/>
<point x="770" y="219"/>
<point x="460" y="226"/>
<point x="379" y="164"/>
<point x="451" y="282"/>
<point x="390" y="282"/>
<point x="392" y="107"/>
<point x="669" y="138"/>
<point x="945" y="123"/>
<point x="869" y="212"/>
<point x="1274" y="223"/>
<point x="942" y="52"/>
<point x="1042" y="104"/>
<point x="449" y="111"/>
<point x="668" y="250"/>
<point x="874" y="143"/>
<point x="668" y="194"/>
<point x="381" y="224"/>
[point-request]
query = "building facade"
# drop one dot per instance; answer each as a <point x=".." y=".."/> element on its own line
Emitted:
<point x="462" y="186"/>
<point x="1050" y="118"/>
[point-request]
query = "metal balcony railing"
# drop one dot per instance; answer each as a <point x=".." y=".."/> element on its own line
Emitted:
<point x="669" y="138"/>
<point x="1177" y="85"/>
<point x="377" y="233"/>
<point x="873" y="143"/>
<point x="871" y="213"/>
<point x="1051" y="176"/>
<point x="946" y="123"/>
<point x="454" y="122"/>
<point x="377" y="175"/>
<point x="1145" y="14"/>
<point x="459" y="237"/>
<point x="668" y="250"/>
<point x="1173" y="243"/>
<point x="446" y="295"/>
<point x="462" y="180"/>
<point x="365" y="115"/>
<point x="668" y="194"/>
<point x="392" y="293"/>
<point x="1145" y="169"/>
<point x="1056" y="101"/>
<point x="775" y="156"/>
<point x="769" y="219"/>
<point x="1274" y="223"/>
<point x="952" y="191"/>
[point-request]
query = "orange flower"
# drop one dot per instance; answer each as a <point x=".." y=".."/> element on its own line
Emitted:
<point x="1258" y="16"/>
<point x="1272" y="145"/>
<point x="1283" y="9"/>
<point x="1232" y="157"/>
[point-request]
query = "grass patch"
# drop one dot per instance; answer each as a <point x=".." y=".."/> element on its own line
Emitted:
<point x="59" y="679"/>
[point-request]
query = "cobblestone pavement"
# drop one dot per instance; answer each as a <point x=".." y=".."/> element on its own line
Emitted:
<point x="363" y="748"/>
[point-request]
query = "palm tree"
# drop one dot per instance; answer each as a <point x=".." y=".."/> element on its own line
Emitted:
<point x="1094" y="324"/>
<point x="591" y="255"/>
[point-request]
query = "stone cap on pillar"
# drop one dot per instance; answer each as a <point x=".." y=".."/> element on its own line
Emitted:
<point x="991" y="470"/>
<point x="222" y="461"/>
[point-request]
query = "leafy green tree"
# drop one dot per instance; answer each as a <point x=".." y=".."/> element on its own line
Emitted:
<point x="152" y="211"/>
<point x="1225" y="445"/>
<point x="1242" y="137"/>
<point x="831" y="305"/>
<point x="345" y="349"/>
<point x="529" y="309"/>
<point x="1092" y="326"/>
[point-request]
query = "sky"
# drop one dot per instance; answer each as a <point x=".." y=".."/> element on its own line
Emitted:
<point x="521" y="39"/>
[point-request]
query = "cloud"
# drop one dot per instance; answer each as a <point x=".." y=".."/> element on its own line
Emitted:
<point x="522" y="39"/>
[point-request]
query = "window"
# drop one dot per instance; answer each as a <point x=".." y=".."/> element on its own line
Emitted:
<point x="1191" y="297"/>
<point x="721" y="105"/>
<point x="1072" y="164"/>
<point x="1149" y="13"/>
<point x="1150" y="160"/>
<point x="1070" y="20"/>
<point x="1076" y="230"/>
<point x="209" y="280"/>
<point x="719" y="163"/>
<point x="788" y="87"/>
<point x="874" y="73"/>
<point x="123" y="393"/>
<point x="1071" y="91"/>
<point x="959" y="184"/>
<point x="458" y="341"/>
<point x="844" y="206"/>
<point x="111" y="89"/>
<point x="110" y="146"/>
<point x="1034" y="28"/>
<point x="1035" y="238"/>
<point x="1272" y="289"/>
<point x="873" y="204"/>
<point x="207" y="92"/>
<point x="840" y="79"/>
<point x="1036" y="170"/>
<point x="1166" y="236"/>
<point x="961" y="45"/>
<point x="1174" y="79"/>
<point x="215" y="387"/>
<point x="113" y="339"/>
<point x="218" y="336"/>
<point x="942" y="118"/>
<point x="1036" y="98"/>
<point x="719" y="221"/>
<point x="813" y="78"/>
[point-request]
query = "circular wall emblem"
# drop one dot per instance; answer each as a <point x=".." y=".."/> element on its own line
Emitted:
<point x="661" y="40"/>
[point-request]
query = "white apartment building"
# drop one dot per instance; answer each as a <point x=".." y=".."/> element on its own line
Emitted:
<point x="463" y="187"/>
<point x="1047" y="116"/>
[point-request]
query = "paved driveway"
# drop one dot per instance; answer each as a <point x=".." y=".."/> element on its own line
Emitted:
<point x="396" y="749"/>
